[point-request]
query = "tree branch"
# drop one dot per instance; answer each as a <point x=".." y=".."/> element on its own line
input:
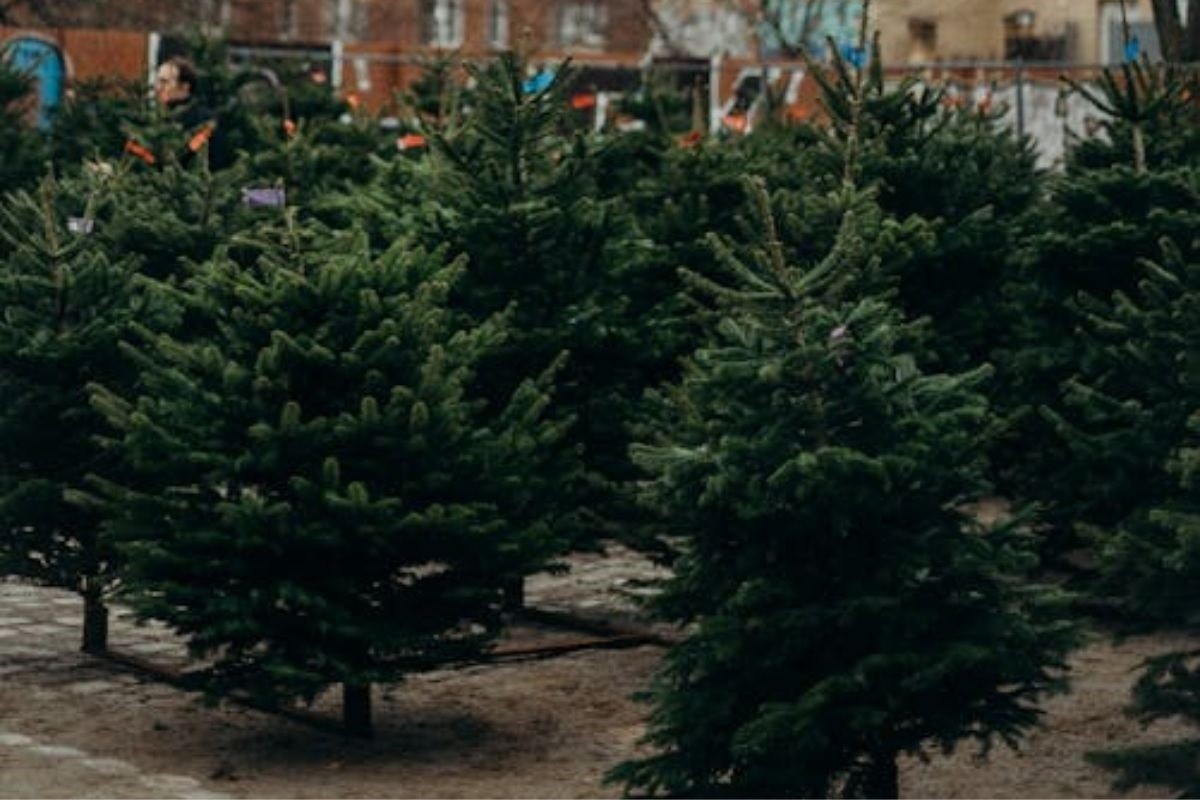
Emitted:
<point x="1191" y="50"/>
<point x="1170" y="27"/>
<point x="661" y="29"/>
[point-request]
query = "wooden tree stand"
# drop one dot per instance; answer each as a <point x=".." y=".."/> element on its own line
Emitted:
<point x="356" y="698"/>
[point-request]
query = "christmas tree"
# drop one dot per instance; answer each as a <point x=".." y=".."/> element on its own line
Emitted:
<point x="22" y="149"/>
<point x="64" y="306"/>
<point x="1082" y="245"/>
<point x="842" y="607"/>
<point x="956" y="167"/>
<point x="319" y="495"/>
<point x="512" y="192"/>
<point x="89" y="125"/>
<point x="1133" y="430"/>
<point x="1150" y="117"/>
<point x="173" y="215"/>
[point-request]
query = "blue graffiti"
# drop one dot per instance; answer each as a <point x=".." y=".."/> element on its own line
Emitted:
<point x="42" y="61"/>
<point x="811" y="24"/>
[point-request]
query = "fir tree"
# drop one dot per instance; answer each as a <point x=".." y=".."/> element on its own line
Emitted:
<point x="1129" y="422"/>
<point x="64" y="306"/>
<point x="174" y="215"/>
<point x="1085" y="241"/>
<point x="22" y="150"/>
<point x="89" y="126"/>
<point x="513" y="193"/>
<point x="318" y="157"/>
<point x="319" y="497"/>
<point x="1132" y="425"/>
<point x="970" y="178"/>
<point x="1150" y="117"/>
<point x="842" y="607"/>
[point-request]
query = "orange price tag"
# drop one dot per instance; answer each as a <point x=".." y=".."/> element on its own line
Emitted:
<point x="582" y="102"/>
<point x="201" y="137"/>
<point x="411" y="141"/>
<point x="138" y="150"/>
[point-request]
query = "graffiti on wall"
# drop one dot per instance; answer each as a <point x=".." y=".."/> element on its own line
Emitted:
<point x="43" y="62"/>
<point x="791" y="25"/>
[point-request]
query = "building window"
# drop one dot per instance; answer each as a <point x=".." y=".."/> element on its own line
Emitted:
<point x="497" y="24"/>
<point x="442" y="22"/>
<point x="582" y="24"/>
<point x="289" y="27"/>
<point x="922" y="34"/>
<point x="1024" y="42"/>
<point x="1141" y="28"/>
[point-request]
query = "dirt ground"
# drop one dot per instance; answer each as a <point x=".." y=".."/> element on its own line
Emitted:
<point x="74" y="726"/>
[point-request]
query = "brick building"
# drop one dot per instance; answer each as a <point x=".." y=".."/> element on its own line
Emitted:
<point x="920" y="31"/>
<point x="1072" y="31"/>
<point x="474" y="26"/>
<point x="372" y="47"/>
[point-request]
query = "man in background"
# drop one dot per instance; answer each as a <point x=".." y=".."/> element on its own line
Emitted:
<point x="176" y="91"/>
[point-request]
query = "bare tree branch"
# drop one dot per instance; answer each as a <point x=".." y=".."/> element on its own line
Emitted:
<point x="660" y="28"/>
<point x="1191" y="51"/>
<point x="1170" y="28"/>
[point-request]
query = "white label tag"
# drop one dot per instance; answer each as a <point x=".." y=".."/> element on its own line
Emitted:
<point x="83" y="226"/>
<point x="264" y="197"/>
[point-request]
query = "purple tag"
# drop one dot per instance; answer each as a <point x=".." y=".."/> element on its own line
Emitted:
<point x="264" y="198"/>
<point x="82" y="226"/>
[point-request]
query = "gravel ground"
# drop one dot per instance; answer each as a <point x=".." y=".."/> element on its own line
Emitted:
<point x="76" y="726"/>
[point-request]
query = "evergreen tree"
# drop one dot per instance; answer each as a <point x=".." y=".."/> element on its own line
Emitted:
<point x="513" y="193"/>
<point x="1129" y="421"/>
<point x="1133" y="429"/>
<point x="173" y="215"/>
<point x="90" y="123"/>
<point x="957" y="168"/>
<point x="1151" y="119"/>
<point x="22" y="151"/>
<point x="319" y="496"/>
<point x="64" y="306"/>
<point x="842" y="607"/>
<point x="1086" y="241"/>
<point x="319" y="157"/>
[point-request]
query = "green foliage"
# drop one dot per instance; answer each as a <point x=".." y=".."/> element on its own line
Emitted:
<point x="1150" y="117"/>
<point x="665" y="108"/>
<point x="842" y="605"/>
<point x="958" y="169"/>
<point x="323" y="156"/>
<point x="439" y="97"/>
<point x="91" y="123"/>
<point x="1124" y="417"/>
<point x="172" y="215"/>
<point x="1084" y="245"/>
<point x="319" y="495"/>
<point x="22" y="150"/>
<point x="65" y="303"/>
<point x="513" y="193"/>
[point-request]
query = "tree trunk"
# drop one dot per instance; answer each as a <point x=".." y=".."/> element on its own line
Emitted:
<point x="514" y="594"/>
<point x="883" y="780"/>
<point x="95" y="624"/>
<point x="356" y="709"/>
<point x="1170" y="28"/>
<point x="1139" y="149"/>
<point x="1191" y="35"/>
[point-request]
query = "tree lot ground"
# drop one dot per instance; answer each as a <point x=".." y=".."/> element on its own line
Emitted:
<point x="74" y="726"/>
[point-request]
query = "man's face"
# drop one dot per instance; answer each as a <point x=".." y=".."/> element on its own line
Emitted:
<point x="167" y="87"/>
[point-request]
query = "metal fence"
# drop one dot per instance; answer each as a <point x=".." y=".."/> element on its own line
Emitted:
<point x="1031" y="97"/>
